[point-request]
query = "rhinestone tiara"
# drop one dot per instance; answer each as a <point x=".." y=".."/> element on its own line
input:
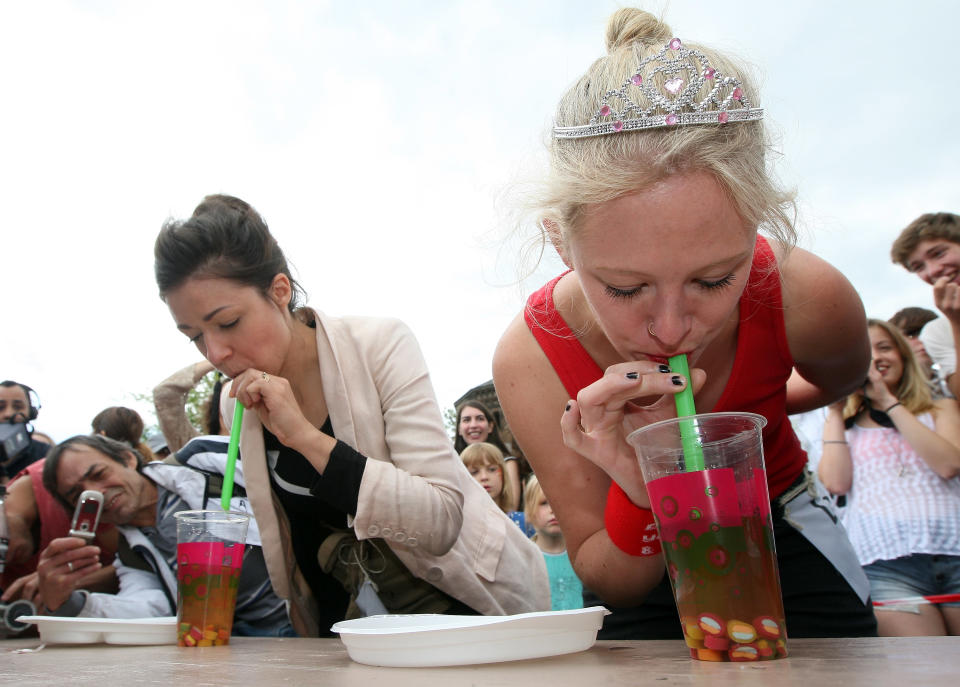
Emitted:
<point x="675" y="104"/>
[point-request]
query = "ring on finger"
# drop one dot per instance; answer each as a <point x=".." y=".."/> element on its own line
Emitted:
<point x="265" y="376"/>
<point x="70" y="565"/>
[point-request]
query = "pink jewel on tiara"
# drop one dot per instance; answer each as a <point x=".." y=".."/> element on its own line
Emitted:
<point x="674" y="44"/>
<point x="723" y="117"/>
<point x="709" y="72"/>
<point x="670" y="120"/>
<point x="737" y="93"/>
<point x="605" y="110"/>
<point x="617" y="125"/>
<point x="636" y="79"/>
<point x="673" y="85"/>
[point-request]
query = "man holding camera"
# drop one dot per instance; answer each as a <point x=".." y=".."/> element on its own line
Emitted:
<point x="141" y="501"/>
<point x="17" y="446"/>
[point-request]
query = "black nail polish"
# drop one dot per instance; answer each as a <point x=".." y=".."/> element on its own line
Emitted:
<point x="633" y="375"/>
<point x="568" y="407"/>
<point x="664" y="368"/>
<point x="677" y="380"/>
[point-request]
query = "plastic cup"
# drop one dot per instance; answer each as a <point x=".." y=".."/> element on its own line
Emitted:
<point x="717" y="534"/>
<point x="210" y="545"/>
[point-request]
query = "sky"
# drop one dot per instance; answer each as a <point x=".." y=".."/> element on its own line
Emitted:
<point x="385" y="144"/>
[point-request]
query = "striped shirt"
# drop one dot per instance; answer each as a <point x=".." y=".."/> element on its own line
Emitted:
<point x="898" y="505"/>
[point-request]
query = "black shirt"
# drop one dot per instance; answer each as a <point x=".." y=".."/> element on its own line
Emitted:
<point x="315" y="506"/>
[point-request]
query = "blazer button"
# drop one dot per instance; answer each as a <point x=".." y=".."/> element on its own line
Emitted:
<point x="386" y="532"/>
<point x="412" y="541"/>
<point x="373" y="530"/>
<point x="399" y="536"/>
<point x="434" y="574"/>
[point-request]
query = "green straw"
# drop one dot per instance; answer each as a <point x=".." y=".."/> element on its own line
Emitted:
<point x="234" y="447"/>
<point x="692" y="450"/>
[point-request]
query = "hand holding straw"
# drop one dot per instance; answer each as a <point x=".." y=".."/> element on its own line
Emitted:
<point x="692" y="450"/>
<point x="232" y="449"/>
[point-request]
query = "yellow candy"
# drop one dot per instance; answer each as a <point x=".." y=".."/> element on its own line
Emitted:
<point x="741" y="632"/>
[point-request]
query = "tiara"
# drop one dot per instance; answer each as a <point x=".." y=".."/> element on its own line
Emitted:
<point x="685" y="71"/>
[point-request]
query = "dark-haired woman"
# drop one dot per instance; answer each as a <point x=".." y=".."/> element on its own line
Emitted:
<point x="362" y="503"/>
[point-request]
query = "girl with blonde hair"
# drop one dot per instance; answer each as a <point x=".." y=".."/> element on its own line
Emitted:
<point x="485" y="463"/>
<point x="895" y="451"/>
<point x="657" y="190"/>
<point x="566" y="590"/>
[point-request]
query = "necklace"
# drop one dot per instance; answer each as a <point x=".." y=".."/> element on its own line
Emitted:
<point x="904" y="469"/>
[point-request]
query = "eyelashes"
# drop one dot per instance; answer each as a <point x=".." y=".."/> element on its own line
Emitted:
<point x="615" y="293"/>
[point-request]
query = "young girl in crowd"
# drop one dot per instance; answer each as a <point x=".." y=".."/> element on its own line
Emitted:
<point x="475" y="424"/>
<point x="485" y="464"/>
<point x="656" y="191"/>
<point x="566" y="590"/>
<point x="360" y="499"/>
<point x="896" y="452"/>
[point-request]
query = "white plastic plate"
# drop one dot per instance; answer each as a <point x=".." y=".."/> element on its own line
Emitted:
<point x="60" y="630"/>
<point x="451" y="640"/>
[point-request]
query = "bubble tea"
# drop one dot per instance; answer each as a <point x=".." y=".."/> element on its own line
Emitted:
<point x="716" y="532"/>
<point x="210" y="546"/>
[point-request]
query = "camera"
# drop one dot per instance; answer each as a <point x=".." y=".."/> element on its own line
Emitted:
<point x="14" y="438"/>
<point x="13" y="610"/>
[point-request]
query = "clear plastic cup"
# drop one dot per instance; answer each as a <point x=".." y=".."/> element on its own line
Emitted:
<point x="210" y="546"/>
<point x="716" y="532"/>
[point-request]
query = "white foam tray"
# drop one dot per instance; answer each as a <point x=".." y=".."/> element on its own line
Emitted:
<point x="449" y="640"/>
<point x="141" y="631"/>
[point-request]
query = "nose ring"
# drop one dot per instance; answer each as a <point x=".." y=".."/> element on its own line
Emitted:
<point x="650" y="330"/>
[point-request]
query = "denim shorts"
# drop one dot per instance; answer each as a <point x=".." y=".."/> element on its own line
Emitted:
<point x="919" y="574"/>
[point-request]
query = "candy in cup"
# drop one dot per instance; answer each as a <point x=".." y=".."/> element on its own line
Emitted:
<point x="210" y="547"/>
<point x="708" y="490"/>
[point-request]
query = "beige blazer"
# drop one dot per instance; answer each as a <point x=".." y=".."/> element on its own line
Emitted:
<point x="415" y="493"/>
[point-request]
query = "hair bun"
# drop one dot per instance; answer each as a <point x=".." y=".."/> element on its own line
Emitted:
<point x="629" y="25"/>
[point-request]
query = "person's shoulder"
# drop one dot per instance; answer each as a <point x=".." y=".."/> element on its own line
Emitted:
<point x="363" y="326"/>
<point x="939" y="327"/>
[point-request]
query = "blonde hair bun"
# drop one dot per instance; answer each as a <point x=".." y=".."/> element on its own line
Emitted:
<point x="631" y="25"/>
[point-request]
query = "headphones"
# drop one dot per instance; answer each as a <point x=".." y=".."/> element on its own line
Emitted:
<point x="33" y="399"/>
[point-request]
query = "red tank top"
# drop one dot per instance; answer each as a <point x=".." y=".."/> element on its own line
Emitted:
<point x="761" y="366"/>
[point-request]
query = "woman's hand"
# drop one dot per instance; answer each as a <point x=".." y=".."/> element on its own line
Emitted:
<point x="876" y="389"/>
<point x="275" y="404"/>
<point x="272" y="398"/>
<point x="596" y="425"/>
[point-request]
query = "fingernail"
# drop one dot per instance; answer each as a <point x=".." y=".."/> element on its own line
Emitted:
<point x="633" y="375"/>
<point x="568" y="407"/>
<point x="664" y="368"/>
<point x="677" y="380"/>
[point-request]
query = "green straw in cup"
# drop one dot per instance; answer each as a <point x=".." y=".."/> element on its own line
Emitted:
<point x="232" y="449"/>
<point x="692" y="450"/>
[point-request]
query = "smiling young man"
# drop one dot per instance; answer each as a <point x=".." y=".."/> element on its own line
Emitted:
<point x="141" y="501"/>
<point x="930" y="248"/>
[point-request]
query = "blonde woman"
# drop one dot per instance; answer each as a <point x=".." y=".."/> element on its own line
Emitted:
<point x="657" y="188"/>
<point x="896" y="452"/>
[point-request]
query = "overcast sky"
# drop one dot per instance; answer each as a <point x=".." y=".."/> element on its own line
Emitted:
<point x="377" y="138"/>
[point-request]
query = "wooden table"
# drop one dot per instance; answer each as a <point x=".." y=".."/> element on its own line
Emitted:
<point x="900" y="661"/>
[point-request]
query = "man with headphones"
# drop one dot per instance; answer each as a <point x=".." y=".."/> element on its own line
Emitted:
<point x="17" y="446"/>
